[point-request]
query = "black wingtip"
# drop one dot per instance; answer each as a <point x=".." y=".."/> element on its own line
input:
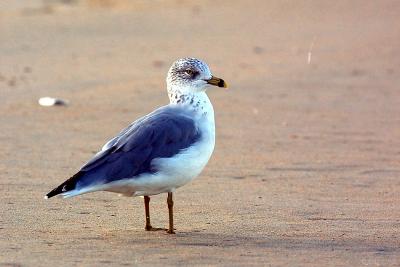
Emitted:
<point x="68" y="185"/>
<point x="54" y="192"/>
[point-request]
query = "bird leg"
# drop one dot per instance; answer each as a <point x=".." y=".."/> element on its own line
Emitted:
<point x="147" y="210"/>
<point x="148" y="226"/>
<point x="170" y="203"/>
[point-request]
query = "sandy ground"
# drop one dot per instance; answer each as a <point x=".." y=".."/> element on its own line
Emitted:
<point x="307" y="162"/>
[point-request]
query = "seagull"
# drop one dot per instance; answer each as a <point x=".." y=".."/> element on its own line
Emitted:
<point x="159" y="152"/>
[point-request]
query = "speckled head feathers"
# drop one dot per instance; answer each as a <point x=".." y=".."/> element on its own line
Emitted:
<point x="188" y="75"/>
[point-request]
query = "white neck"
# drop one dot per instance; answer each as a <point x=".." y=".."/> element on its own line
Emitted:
<point x="197" y="101"/>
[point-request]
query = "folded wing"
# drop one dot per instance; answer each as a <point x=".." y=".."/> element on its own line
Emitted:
<point x="161" y="134"/>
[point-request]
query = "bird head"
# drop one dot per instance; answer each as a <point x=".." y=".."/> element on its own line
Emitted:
<point x="191" y="75"/>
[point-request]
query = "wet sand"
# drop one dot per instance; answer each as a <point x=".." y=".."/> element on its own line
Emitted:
<point x="307" y="162"/>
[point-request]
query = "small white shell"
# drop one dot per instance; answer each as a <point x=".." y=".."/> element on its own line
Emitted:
<point x="50" y="101"/>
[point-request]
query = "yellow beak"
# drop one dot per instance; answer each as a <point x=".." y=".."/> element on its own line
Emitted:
<point x="217" y="82"/>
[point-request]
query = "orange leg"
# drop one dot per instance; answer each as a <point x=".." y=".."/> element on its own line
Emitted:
<point x="148" y="226"/>
<point x="170" y="203"/>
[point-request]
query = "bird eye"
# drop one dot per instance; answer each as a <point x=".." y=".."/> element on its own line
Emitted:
<point x="189" y="72"/>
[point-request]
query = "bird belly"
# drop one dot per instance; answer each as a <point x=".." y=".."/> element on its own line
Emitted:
<point x="172" y="172"/>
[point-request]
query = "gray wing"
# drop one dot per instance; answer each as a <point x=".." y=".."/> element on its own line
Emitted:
<point x="161" y="134"/>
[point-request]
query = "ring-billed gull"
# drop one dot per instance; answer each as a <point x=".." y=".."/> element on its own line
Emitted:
<point x="161" y="151"/>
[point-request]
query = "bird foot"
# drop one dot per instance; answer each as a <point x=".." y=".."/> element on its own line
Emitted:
<point x="169" y="231"/>
<point x="151" y="228"/>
